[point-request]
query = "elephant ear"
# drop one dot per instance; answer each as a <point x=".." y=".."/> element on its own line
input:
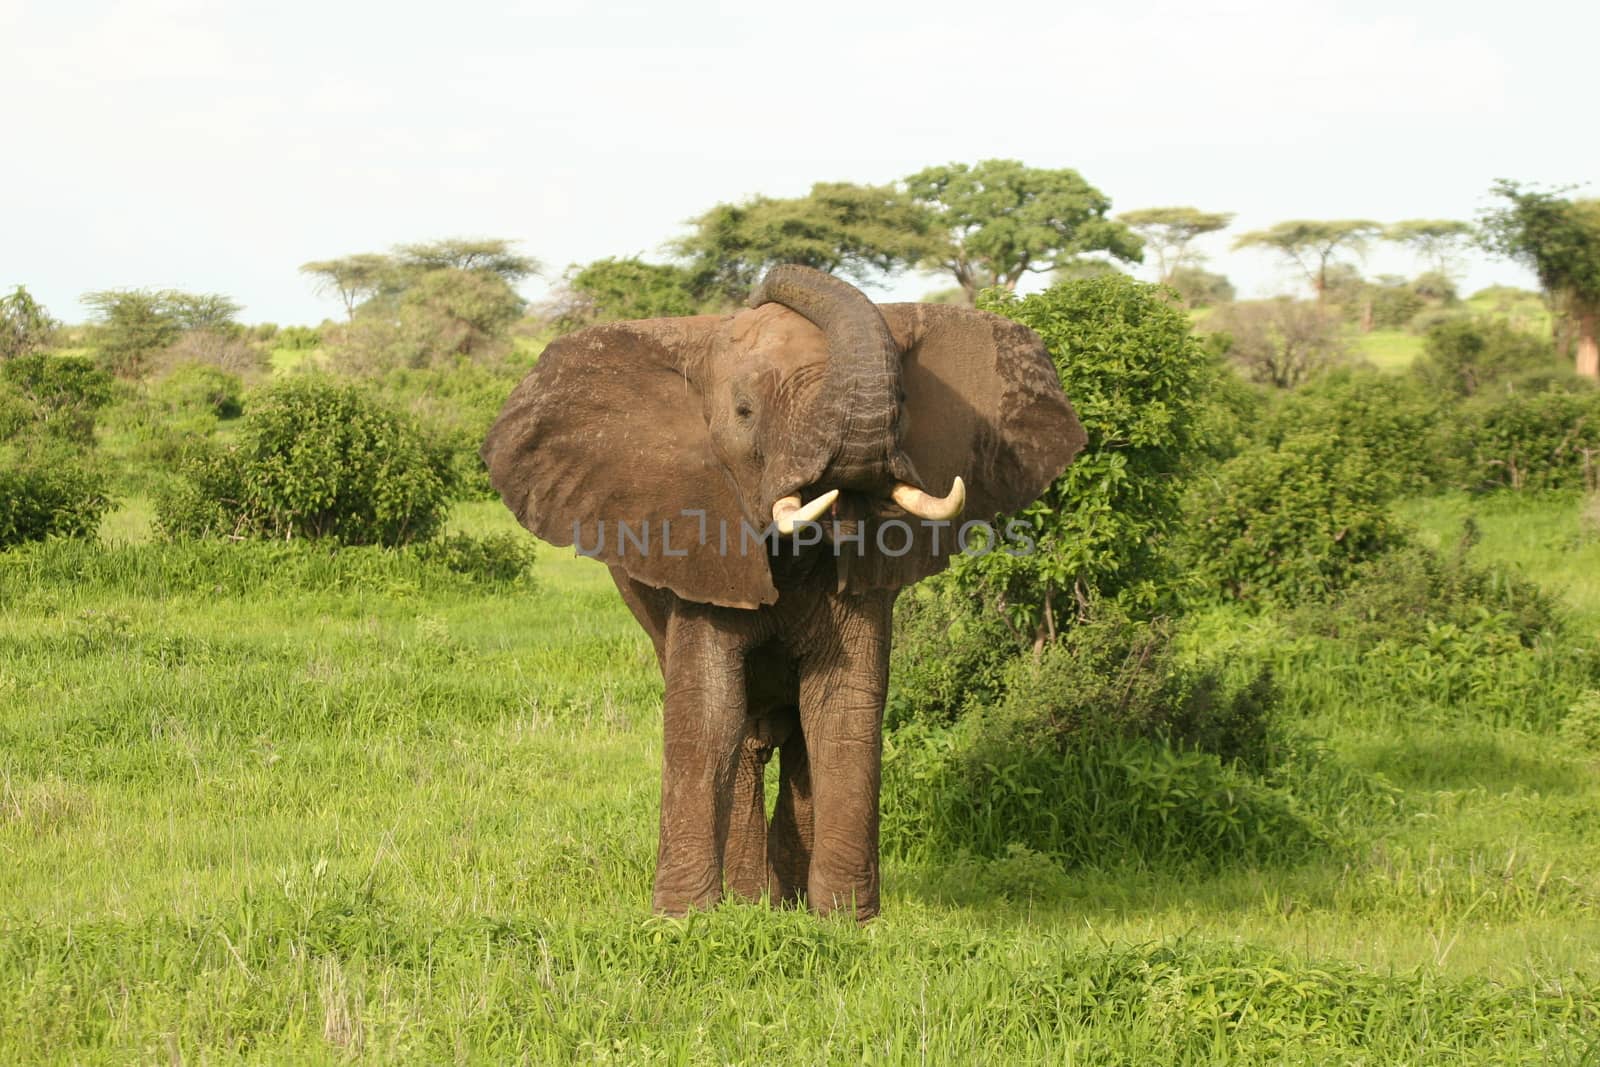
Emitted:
<point x="609" y="428"/>
<point x="983" y="401"/>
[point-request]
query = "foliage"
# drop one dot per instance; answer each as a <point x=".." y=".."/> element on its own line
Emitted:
<point x="1112" y="678"/>
<point x="1581" y="727"/>
<point x="135" y="324"/>
<point x="1280" y="342"/>
<point x="1311" y="245"/>
<point x="610" y="289"/>
<point x="353" y="279"/>
<point x="1438" y="242"/>
<point x="1291" y="521"/>
<point x="1466" y="357"/>
<point x="297" y="338"/>
<point x="1400" y="423"/>
<point x="1532" y="441"/>
<point x="314" y="460"/>
<point x="1170" y="232"/>
<point x="1559" y="240"/>
<point x="1140" y="381"/>
<point x="25" y="326"/>
<point x="855" y="231"/>
<point x="58" y="394"/>
<point x="1201" y="288"/>
<point x="479" y="255"/>
<point x="200" y="387"/>
<point x="49" y="496"/>
<point x="996" y="220"/>
<point x="949" y="654"/>
<point x="440" y="318"/>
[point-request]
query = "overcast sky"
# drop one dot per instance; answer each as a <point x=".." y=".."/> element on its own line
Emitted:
<point x="217" y="146"/>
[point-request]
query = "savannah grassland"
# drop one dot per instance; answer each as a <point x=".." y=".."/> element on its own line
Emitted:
<point x="285" y="806"/>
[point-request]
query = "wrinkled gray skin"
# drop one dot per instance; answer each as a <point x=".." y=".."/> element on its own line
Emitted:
<point x="814" y="388"/>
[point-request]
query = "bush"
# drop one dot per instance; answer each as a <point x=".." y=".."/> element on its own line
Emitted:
<point x="1464" y="357"/>
<point x="1280" y="342"/>
<point x="1407" y="594"/>
<point x="948" y="656"/>
<point x="1289" y="522"/>
<point x="297" y="338"/>
<point x="58" y="499"/>
<point x="951" y="793"/>
<point x="315" y="460"/>
<point x="1542" y="441"/>
<point x="198" y="387"/>
<point x="1141" y="382"/>
<point x="1114" y="679"/>
<point x="1201" y="288"/>
<point x="1401" y="424"/>
<point x="63" y="392"/>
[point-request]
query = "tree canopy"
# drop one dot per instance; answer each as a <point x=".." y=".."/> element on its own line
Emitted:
<point x="133" y="324"/>
<point x="1169" y="233"/>
<point x="1559" y="240"/>
<point x="1438" y="242"/>
<point x="858" y="231"/>
<point x="611" y="289"/>
<point x="1312" y="244"/>
<point x="492" y="255"/>
<point x="25" y="326"/>
<point x="352" y="278"/>
<point x="994" y="221"/>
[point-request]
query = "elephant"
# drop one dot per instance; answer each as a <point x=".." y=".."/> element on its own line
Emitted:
<point x="761" y="485"/>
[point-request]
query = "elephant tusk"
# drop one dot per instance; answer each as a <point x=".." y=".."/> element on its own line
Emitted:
<point x="915" y="502"/>
<point x="788" y="512"/>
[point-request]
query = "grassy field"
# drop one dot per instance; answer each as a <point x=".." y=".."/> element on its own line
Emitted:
<point x="268" y="807"/>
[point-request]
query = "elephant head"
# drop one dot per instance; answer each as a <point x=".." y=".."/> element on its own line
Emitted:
<point x="813" y="400"/>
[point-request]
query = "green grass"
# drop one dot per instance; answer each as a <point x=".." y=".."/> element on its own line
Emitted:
<point x="350" y="810"/>
<point x="1387" y="349"/>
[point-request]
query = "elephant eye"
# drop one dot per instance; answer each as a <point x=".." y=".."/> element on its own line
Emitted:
<point x="742" y="409"/>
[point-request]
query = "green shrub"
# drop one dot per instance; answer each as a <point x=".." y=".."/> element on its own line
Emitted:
<point x="1404" y="595"/>
<point x="318" y="460"/>
<point x="1394" y="306"/>
<point x="949" y="654"/>
<point x="1289" y="522"/>
<point x="1140" y="380"/>
<point x="1542" y="441"/>
<point x="1401" y="424"/>
<point x="953" y="792"/>
<point x="1113" y="678"/>
<point x="1466" y="356"/>
<point x="200" y="387"/>
<point x="55" y="498"/>
<point x="64" y="393"/>
<point x="1581" y="726"/>
<point x="297" y="338"/>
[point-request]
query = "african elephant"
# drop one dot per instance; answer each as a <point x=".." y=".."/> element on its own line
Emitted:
<point x="695" y="456"/>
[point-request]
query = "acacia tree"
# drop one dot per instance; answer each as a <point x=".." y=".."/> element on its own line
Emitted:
<point x="25" y="326"/>
<point x="1312" y="244"/>
<point x="491" y="255"/>
<point x="1170" y="232"/>
<point x="1438" y="242"/>
<point x="353" y="279"/>
<point x="994" y="221"/>
<point x="1559" y="240"/>
<point x="859" y="231"/>
<point x="134" y="324"/>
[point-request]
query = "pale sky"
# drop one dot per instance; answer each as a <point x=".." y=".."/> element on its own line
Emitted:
<point x="217" y="146"/>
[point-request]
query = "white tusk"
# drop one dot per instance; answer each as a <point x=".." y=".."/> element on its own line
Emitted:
<point x="789" y="512"/>
<point x="914" y="501"/>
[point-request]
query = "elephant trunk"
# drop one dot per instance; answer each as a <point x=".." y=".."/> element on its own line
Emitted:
<point x="863" y="378"/>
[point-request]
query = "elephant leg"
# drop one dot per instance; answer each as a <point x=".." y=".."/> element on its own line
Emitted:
<point x="789" y="837"/>
<point x="703" y="725"/>
<point x="746" y="855"/>
<point x="842" y="686"/>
